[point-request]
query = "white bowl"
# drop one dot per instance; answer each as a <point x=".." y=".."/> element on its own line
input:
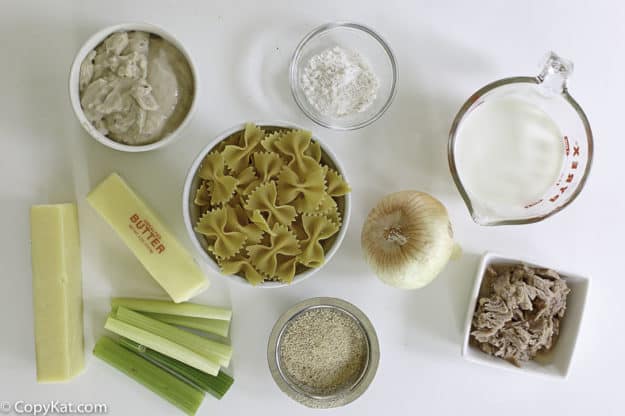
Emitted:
<point x="192" y="181"/>
<point x="557" y="361"/>
<point x="74" y="93"/>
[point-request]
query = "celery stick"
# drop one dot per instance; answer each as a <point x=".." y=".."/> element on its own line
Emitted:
<point x="183" y="395"/>
<point x="215" y="385"/>
<point x="213" y="350"/>
<point x="171" y="308"/>
<point x="213" y="326"/>
<point x="162" y="345"/>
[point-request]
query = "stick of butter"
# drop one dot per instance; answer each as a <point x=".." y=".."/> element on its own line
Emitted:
<point x="155" y="247"/>
<point x="57" y="292"/>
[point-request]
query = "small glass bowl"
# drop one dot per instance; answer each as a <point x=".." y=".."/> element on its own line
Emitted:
<point x="300" y="394"/>
<point x="370" y="46"/>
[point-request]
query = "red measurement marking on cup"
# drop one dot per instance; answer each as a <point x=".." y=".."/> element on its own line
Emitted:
<point x="569" y="175"/>
<point x="575" y="150"/>
<point x="533" y="204"/>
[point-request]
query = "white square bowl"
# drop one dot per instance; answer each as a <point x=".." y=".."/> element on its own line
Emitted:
<point x="557" y="361"/>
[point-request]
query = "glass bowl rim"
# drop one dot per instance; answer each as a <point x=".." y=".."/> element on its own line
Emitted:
<point x="314" y="34"/>
<point x="372" y="361"/>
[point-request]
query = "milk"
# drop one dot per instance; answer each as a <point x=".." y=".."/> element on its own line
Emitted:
<point x="508" y="154"/>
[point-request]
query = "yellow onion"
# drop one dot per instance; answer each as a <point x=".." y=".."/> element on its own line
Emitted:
<point x="407" y="239"/>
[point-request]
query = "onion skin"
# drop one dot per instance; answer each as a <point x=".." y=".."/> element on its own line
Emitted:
<point x="407" y="239"/>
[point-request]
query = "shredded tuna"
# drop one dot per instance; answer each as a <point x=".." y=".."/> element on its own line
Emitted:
<point x="519" y="312"/>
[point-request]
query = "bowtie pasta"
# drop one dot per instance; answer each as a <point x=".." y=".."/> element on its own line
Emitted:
<point x="271" y="204"/>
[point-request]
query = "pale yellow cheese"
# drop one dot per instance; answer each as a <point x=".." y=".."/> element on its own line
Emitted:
<point x="146" y="236"/>
<point x="57" y="292"/>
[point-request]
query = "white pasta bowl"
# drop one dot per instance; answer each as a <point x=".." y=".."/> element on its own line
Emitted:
<point x="74" y="93"/>
<point x="191" y="212"/>
<point x="557" y="361"/>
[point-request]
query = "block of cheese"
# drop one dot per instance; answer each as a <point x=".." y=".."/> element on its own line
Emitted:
<point x="57" y="292"/>
<point x="146" y="236"/>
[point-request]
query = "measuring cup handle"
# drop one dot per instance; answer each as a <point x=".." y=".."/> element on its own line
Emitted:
<point x="554" y="74"/>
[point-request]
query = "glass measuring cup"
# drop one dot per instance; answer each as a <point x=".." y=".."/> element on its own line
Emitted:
<point x="548" y="92"/>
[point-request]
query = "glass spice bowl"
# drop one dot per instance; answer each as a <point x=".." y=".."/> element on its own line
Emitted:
<point x="358" y="38"/>
<point x="303" y="395"/>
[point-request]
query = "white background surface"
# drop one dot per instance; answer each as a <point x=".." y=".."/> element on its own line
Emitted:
<point x="445" y="50"/>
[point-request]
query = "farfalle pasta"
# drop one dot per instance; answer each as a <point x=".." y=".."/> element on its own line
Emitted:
<point x="241" y="264"/>
<point x="314" y="151"/>
<point x="270" y="207"/>
<point x="220" y="186"/>
<point x="267" y="164"/>
<point x="264" y="199"/>
<point x="248" y="180"/>
<point x="293" y="145"/>
<point x="317" y="228"/>
<point x="326" y="206"/>
<point x="287" y="268"/>
<point x="269" y="142"/>
<point x="335" y="183"/>
<point x="260" y="221"/>
<point x="223" y="231"/>
<point x="305" y="191"/>
<point x="237" y="157"/>
<point x="265" y="257"/>
<point x="202" y="195"/>
<point x="335" y="216"/>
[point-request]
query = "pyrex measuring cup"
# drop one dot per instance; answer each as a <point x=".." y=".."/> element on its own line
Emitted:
<point x="547" y="92"/>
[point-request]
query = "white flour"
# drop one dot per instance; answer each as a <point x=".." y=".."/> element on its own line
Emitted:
<point x="339" y="82"/>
